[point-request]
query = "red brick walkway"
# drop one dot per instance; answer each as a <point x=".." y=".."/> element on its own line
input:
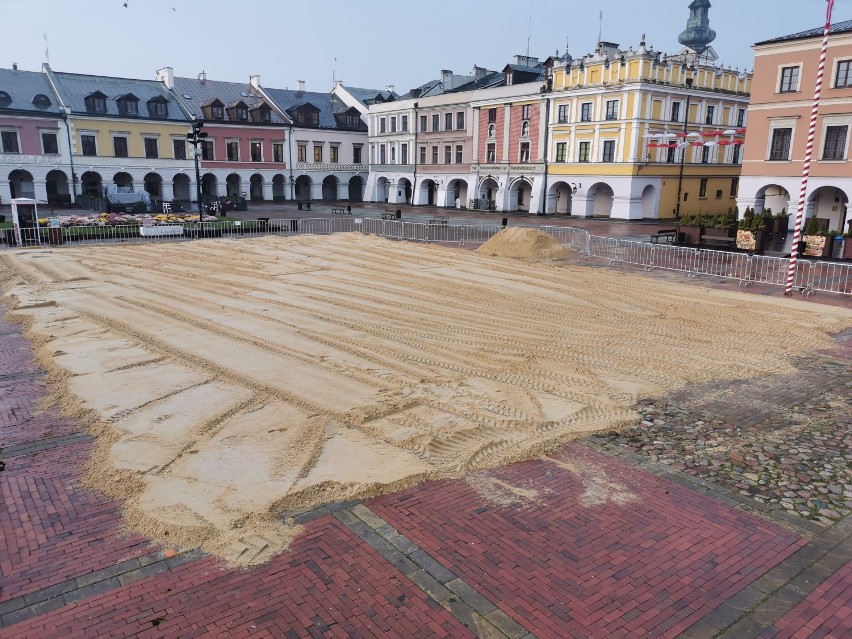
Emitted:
<point x="642" y="557"/>
<point x="825" y="614"/>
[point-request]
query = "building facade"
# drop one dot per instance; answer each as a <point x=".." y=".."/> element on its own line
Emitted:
<point x="125" y="133"/>
<point x="35" y="158"/>
<point x="785" y="76"/>
<point x="636" y="133"/>
<point x="245" y="151"/>
<point x="327" y="144"/>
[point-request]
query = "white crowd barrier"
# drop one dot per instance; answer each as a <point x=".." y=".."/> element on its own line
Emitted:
<point x="829" y="277"/>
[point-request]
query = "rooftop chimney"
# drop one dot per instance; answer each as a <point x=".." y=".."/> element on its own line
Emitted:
<point x="14" y="66"/>
<point x="300" y="85"/>
<point x="389" y="88"/>
<point x="447" y="79"/>
<point x="479" y="72"/>
<point x="338" y="83"/>
<point x="203" y="77"/>
<point x="526" y="61"/>
<point x="166" y="75"/>
<point x="255" y="81"/>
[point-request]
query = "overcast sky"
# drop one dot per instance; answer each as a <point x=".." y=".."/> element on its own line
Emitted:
<point x="375" y="43"/>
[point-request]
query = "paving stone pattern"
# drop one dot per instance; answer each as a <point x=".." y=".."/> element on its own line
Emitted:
<point x="826" y="614"/>
<point x="331" y="584"/>
<point x="605" y="553"/>
<point x="782" y="441"/>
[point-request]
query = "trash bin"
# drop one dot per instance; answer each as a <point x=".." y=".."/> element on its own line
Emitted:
<point x="399" y="214"/>
<point x="349" y="209"/>
<point x="54" y="236"/>
<point x="505" y="221"/>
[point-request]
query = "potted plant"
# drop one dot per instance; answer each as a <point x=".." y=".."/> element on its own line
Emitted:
<point x="817" y="240"/>
<point x="722" y="225"/>
<point x="690" y="229"/>
<point x="846" y="252"/>
<point x="782" y="224"/>
<point x="751" y="233"/>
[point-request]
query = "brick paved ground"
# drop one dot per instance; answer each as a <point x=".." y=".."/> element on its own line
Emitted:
<point x="600" y="551"/>
<point x="585" y="543"/>
<point x="826" y="614"/>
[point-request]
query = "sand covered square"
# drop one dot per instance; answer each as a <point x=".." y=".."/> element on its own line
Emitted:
<point x="231" y="381"/>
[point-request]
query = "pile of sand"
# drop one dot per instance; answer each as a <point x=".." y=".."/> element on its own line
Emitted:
<point x="525" y="243"/>
<point x="308" y="370"/>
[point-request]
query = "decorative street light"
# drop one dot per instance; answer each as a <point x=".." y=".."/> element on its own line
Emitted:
<point x="195" y="138"/>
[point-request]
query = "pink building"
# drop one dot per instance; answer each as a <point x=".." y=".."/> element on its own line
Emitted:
<point x="779" y="115"/>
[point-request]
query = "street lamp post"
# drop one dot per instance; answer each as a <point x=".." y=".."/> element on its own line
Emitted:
<point x="683" y="153"/>
<point x="195" y="138"/>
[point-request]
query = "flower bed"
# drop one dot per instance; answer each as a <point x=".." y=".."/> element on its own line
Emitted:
<point x="115" y="219"/>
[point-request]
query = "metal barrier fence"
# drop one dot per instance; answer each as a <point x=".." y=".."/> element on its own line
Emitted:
<point x="827" y="277"/>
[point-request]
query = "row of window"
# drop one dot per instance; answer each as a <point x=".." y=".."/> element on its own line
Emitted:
<point x="584" y="150"/>
<point x="334" y="153"/>
<point x="789" y="80"/>
<point x="89" y="147"/>
<point x="10" y="143"/>
<point x="452" y="122"/>
<point x="834" y="147"/>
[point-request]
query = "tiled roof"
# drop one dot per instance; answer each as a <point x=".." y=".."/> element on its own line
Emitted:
<point x="327" y="103"/>
<point x="203" y="92"/>
<point x="22" y="87"/>
<point x="493" y="79"/>
<point x="365" y="95"/>
<point x="74" y="88"/>
<point x="524" y="69"/>
<point x="837" y="27"/>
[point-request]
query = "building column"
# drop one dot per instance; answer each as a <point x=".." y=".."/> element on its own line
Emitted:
<point x="40" y="189"/>
<point x="580" y="204"/>
<point x="168" y="187"/>
<point x="625" y="207"/>
<point x="5" y="192"/>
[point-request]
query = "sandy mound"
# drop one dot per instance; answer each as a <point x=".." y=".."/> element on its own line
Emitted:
<point x="308" y="370"/>
<point x="526" y="243"/>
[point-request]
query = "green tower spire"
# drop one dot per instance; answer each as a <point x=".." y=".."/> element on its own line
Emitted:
<point x="698" y="34"/>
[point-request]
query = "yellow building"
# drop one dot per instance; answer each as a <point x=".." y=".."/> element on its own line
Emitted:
<point x="126" y="133"/>
<point x="632" y="129"/>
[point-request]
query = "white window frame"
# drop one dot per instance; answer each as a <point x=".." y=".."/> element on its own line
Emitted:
<point x="283" y="146"/>
<point x="836" y="120"/>
<point x="617" y="109"/>
<point x="781" y="123"/>
<point x="149" y="136"/>
<point x="227" y="142"/>
<point x="120" y="134"/>
<point x="93" y="134"/>
<point x="521" y="159"/>
<point x="781" y="68"/>
<point x="256" y="141"/>
<point x="836" y="62"/>
<point x="55" y="132"/>
<point x="332" y="149"/>
<point x="7" y="129"/>
<point x="614" y="150"/>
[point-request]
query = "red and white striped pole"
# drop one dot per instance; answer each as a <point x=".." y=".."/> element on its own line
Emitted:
<point x="806" y="167"/>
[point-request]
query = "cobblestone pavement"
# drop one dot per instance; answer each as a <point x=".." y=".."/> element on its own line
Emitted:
<point x="679" y="527"/>
<point x="783" y="441"/>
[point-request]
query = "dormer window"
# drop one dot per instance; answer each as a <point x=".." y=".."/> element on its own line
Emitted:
<point x="158" y="107"/>
<point x="217" y="112"/>
<point x="242" y="113"/>
<point x="306" y="115"/>
<point x="128" y="104"/>
<point x="5" y="98"/>
<point x="353" y="121"/>
<point x="265" y="113"/>
<point x="41" y="100"/>
<point x="96" y="102"/>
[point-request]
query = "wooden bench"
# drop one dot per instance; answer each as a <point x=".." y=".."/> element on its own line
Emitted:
<point x="439" y="219"/>
<point x="338" y="210"/>
<point x="388" y="216"/>
<point x="666" y="235"/>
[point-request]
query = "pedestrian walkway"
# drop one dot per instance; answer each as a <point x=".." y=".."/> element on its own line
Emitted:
<point x="595" y="540"/>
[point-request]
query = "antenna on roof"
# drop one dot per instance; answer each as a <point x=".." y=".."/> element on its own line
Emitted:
<point x="600" y="27"/>
<point x="529" y="29"/>
<point x="46" y="50"/>
<point x="334" y="73"/>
